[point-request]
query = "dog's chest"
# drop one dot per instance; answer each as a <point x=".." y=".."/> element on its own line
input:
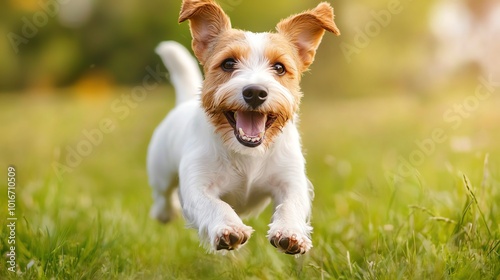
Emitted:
<point x="247" y="186"/>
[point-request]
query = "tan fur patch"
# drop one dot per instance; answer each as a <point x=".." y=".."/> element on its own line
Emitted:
<point x="207" y="21"/>
<point x="294" y="46"/>
<point x="232" y="44"/>
<point x="306" y="30"/>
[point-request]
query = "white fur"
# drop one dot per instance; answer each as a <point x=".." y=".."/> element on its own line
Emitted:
<point x="254" y="70"/>
<point x="219" y="182"/>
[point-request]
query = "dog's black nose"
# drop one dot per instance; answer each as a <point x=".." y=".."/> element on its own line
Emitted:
<point x="254" y="95"/>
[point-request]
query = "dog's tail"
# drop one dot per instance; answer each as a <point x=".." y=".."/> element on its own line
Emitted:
<point x="183" y="68"/>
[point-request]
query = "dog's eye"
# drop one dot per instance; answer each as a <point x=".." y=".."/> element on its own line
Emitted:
<point x="279" y="68"/>
<point x="228" y="65"/>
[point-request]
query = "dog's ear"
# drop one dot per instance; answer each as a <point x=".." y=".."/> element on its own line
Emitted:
<point x="206" y="20"/>
<point x="306" y="30"/>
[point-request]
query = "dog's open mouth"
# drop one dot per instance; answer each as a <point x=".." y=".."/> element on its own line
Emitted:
<point x="250" y="126"/>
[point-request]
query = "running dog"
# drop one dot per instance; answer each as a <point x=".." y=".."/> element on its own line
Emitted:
<point x="231" y="144"/>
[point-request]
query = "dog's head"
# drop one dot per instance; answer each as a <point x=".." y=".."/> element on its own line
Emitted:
<point x="251" y="88"/>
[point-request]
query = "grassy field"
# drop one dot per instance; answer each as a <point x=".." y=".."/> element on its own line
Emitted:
<point x="406" y="188"/>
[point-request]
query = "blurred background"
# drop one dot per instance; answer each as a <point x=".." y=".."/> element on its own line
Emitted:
<point x="69" y="65"/>
<point x="395" y="111"/>
<point x="386" y="47"/>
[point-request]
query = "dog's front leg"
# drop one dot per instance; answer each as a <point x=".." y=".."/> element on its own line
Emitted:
<point x="217" y="223"/>
<point x="290" y="229"/>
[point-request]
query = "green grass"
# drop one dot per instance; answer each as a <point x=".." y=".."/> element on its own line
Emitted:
<point x="370" y="222"/>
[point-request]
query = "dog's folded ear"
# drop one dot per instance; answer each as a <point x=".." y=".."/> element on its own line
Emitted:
<point x="206" y="20"/>
<point x="306" y="30"/>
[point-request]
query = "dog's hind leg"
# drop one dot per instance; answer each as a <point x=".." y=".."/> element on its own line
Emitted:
<point x="163" y="179"/>
<point x="166" y="204"/>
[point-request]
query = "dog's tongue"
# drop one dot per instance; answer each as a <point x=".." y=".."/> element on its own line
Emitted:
<point x="252" y="123"/>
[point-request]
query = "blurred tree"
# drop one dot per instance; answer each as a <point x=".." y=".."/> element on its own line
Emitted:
<point x="52" y="43"/>
<point x="57" y="43"/>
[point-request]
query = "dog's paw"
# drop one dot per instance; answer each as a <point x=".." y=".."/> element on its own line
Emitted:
<point x="289" y="242"/>
<point x="232" y="238"/>
<point x="163" y="212"/>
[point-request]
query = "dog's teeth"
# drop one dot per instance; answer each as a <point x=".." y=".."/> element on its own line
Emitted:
<point x="242" y="133"/>
<point x="253" y="139"/>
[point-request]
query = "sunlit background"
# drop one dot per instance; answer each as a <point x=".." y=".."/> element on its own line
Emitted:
<point x="395" y="111"/>
<point x="386" y="47"/>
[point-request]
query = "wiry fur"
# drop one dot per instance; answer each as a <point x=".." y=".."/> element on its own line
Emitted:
<point x="195" y="149"/>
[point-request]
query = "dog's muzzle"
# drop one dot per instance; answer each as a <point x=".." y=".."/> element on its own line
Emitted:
<point x="250" y="126"/>
<point x="254" y="95"/>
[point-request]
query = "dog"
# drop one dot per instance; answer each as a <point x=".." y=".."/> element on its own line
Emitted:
<point x="231" y="144"/>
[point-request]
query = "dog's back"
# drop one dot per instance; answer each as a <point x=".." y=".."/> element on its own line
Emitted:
<point x="163" y="159"/>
